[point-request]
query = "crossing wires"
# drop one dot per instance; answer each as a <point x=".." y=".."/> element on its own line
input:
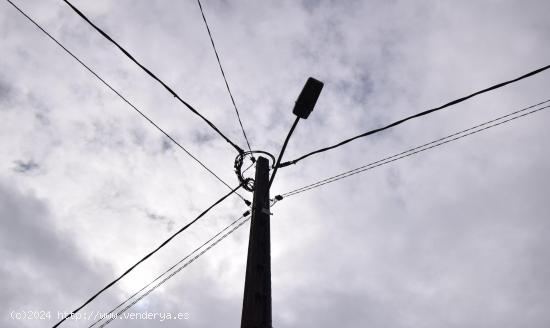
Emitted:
<point x="108" y="85"/>
<point x="146" y="70"/>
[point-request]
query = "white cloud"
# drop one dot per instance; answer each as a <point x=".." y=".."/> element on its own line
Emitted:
<point x="454" y="236"/>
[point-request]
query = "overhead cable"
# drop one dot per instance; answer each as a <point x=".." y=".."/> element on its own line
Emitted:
<point x="436" y="143"/>
<point x="110" y="318"/>
<point x="112" y="311"/>
<point x="454" y="102"/>
<point x="223" y="75"/>
<point x="146" y="257"/>
<point x="123" y="98"/>
<point x="146" y="70"/>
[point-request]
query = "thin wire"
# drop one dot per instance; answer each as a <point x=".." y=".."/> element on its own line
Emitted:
<point x="121" y="96"/>
<point x="426" y="144"/>
<point x="454" y="102"/>
<point x="111" y="318"/>
<point x="415" y="150"/>
<point x="248" y="168"/>
<point x="168" y="270"/>
<point x="152" y="75"/>
<point x="223" y="75"/>
<point x="276" y="167"/>
<point x="146" y="256"/>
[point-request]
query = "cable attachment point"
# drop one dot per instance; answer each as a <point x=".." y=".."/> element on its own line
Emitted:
<point x="248" y="183"/>
<point x="276" y="199"/>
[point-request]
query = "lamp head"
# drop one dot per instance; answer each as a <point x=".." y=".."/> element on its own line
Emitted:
<point x="307" y="98"/>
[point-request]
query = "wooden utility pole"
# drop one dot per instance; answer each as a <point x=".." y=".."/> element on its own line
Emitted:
<point x="257" y="285"/>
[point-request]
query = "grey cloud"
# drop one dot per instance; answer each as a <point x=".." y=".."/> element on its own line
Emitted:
<point x="454" y="237"/>
<point x="25" y="166"/>
<point x="324" y="307"/>
<point x="203" y="137"/>
<point x="155" y="217"/>
<point x="166" y="145"/>
<point x="41" y="268"/>
<point x="162" y="219"/>
<point x="6" y="92"/>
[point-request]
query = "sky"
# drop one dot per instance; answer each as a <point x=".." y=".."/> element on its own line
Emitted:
<point x="452" y="237"/>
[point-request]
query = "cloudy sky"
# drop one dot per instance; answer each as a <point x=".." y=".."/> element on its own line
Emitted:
<point x="452" y="237"/>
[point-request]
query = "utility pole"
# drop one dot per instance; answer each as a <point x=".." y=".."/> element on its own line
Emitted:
<point x="257" y="285"/>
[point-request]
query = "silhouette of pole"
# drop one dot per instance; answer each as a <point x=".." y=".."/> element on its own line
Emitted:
<point x="257" y="286"/>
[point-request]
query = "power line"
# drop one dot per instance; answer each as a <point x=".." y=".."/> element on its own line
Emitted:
<point x="223" y="75"/>
<point x="248" y="168"/>
<point x="153" y="76"/>
<point x="121" y="96"/>
<point x="146" y="256"/>
<point x="171" y="268"/>
<point x="410" y="152"/>
<point x="111" y="318"/>
<point x="436" y="143"/>
<point x="454" y="102"/>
